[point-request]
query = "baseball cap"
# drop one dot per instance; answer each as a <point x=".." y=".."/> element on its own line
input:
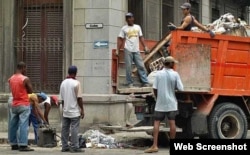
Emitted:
<point x="185" y="5"/>
<point x="42" y="95"/>
<point x="170" y="59"/>
<point x="129" y="14"/>
<point x="55" y="98"/>
<point x="72" y="70"/>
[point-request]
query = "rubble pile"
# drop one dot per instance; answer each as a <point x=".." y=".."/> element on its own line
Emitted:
<point x="229" y="25"/>
<point x="96" y="139"/>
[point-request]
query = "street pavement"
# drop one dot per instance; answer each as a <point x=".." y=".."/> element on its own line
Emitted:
<point x="121" y="137"/>
<point x="5" y="150"/>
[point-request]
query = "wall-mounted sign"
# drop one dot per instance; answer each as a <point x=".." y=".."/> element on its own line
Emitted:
<point x="94" y="25"/>
<point x="101" y="44"/>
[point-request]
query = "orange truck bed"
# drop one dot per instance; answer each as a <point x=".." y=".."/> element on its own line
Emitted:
<point x="219" y="65"/>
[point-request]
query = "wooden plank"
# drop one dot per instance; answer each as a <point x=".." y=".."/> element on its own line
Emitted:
<point x="135" y="90"/>
<point x="149" y="128"/>
<point x="118" y="127"/>
<point x="156" y="48"/>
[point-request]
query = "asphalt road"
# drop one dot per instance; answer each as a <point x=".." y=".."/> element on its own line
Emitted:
<point x="123" y="137"/>
<point x="5" y="150"/>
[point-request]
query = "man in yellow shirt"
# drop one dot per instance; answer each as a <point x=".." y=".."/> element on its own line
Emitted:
<point x="36" y="114"/>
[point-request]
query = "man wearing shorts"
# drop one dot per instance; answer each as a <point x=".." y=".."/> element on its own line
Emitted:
<point x="167" y="81"/>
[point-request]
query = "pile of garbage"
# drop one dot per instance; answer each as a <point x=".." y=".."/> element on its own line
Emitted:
<point x="228" y="24"/>
<point x="96" y="139"/>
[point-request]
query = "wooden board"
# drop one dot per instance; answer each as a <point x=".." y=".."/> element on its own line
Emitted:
<point x="135" y="90"/>
<point x="149" y="129"/>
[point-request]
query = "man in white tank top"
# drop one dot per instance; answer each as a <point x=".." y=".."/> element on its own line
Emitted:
<point x="45" y="104"/>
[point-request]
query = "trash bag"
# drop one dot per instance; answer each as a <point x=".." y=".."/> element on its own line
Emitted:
<point x="82" y="142"/>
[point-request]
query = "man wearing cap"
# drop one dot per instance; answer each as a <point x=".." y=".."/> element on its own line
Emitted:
<point x="45" y="103"/>
<point x="189" y="21"/>
<point x="71" y="97"/>
<point x="132" y="35"/>
<point x="36" y="117"/>
<point x="167" y="81"/>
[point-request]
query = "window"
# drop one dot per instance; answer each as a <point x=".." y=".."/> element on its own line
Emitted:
<point x="167" y="15"/>
<point x="39" y="42"/>
<point x="195" y="10"/>
<point x="136" y="7"/>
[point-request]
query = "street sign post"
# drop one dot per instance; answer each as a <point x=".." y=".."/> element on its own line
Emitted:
<point x="94" y="25"/>
<point x="101" y="44"/>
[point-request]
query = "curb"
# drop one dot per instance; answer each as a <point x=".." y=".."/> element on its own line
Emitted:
<point x="5" y="141"/>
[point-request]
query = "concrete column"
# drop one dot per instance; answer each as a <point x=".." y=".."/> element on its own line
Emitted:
<point x="1" y="45"/>
<point x="67" y="34"/>
<point x="248" y="14"/>
<point x="7" y="60"/>
<point x="205" y="11"/>
<point x="95" y="63"/>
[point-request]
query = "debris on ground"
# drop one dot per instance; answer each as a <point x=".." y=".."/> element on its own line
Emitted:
<point x="96" y="139"/>
<point x="228" y="24"/>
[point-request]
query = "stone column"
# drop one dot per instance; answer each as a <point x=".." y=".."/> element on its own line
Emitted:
<point x="94" y="60"/>
<point x="7" y="59"/>
<point x="206" y="12"/>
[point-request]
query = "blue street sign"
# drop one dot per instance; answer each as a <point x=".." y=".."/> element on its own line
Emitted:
<point x="101" y="44"/>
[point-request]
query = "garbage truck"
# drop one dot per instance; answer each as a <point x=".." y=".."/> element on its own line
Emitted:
<point x="215" y="73"/>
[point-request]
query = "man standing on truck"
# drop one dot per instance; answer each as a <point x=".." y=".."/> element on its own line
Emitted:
<point x="189" y="21"/>
<point x="132" y="35"/>
<point x="167" y="81"/>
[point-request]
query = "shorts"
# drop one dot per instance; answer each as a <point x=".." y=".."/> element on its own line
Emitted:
<point x="160" y="116"/>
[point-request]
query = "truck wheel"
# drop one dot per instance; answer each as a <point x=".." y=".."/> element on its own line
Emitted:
<point x="227" y="121"/>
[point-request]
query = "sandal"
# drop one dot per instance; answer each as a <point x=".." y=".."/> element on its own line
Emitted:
<point x="151" y="150"/>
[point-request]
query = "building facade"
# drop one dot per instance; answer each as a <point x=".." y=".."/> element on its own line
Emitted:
<point x="50" y="35"/>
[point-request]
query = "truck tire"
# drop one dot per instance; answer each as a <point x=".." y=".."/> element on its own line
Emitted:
<point x="227" y="121"/>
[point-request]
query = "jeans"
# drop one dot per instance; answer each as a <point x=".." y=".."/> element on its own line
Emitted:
<point x="135" y="57"/>
<point x="9" y="115"/>
<point x="19" y="125"/>
<point x="33" y="120"/>
<point x="70" y="125"/>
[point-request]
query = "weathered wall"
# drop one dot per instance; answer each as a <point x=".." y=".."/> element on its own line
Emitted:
<point x="99" y="109"/>
<point x="95" y="64"/>
<point x="6" y="42"/>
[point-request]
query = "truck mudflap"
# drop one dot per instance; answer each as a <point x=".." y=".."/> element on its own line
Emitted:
<point x="199" y="123"/>
<point x="193" y="116"/>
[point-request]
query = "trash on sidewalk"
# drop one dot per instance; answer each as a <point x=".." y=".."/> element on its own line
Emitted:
<point x="96" y="139"/>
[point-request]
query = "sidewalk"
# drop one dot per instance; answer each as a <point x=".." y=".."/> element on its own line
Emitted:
<point x="5" y="150"/>
<point x="121" y="136"/>
<point x="4" y="137"/>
